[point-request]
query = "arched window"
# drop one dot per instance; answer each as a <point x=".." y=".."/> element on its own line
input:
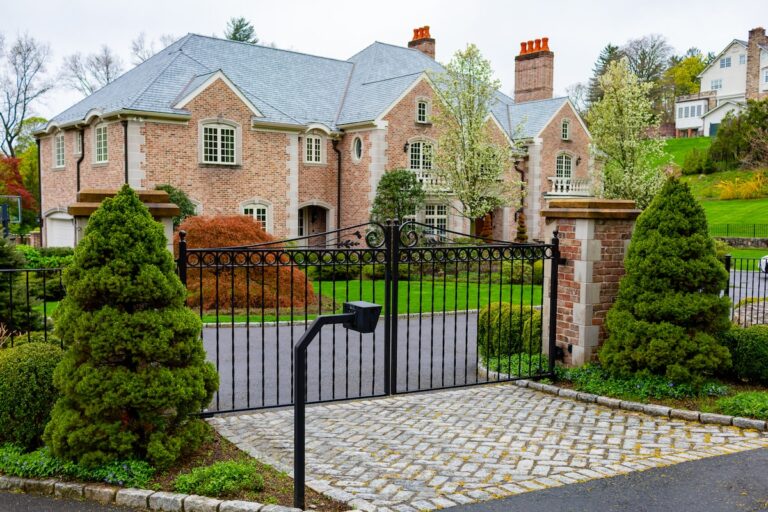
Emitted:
<point x="261" y="212"/>
<point x="220" y="143"/>
<point x="420" y="156"/>
<point x="564" y="166"/>
<point x="422" y="111"/>
<point x="566" y="130"/>
<point x="357" y="149"/>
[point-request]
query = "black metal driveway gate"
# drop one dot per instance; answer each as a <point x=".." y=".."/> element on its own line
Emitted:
<point x="457" y="311"/>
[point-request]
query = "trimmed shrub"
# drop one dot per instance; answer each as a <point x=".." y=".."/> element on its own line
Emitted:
<point x="27" y="393"/>
<point x="697" y="162"/>
<point x="504" y="329"/>
<point x="135" y="367"/>
<point x="46" y="257"/>
<point x="669" y="311"/>
<point x="398" y="194"/>
<point x="25" y="338"/>
<point x="519" y="272"/>
<point x="276" y="283"/>
<point x="221" y="479"/>
<point x="749" y="350"/>
<point x="180" y="199"/>
<point x="750" y="404"/>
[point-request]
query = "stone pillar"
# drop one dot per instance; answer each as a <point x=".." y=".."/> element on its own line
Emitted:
<point x="594" y="236"/>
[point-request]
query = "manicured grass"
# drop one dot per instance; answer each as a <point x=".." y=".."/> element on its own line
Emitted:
<point x="748" y="253"/>
<point x="679" y="148"/>
<point x="737" y="211"/>
<point x="423" y="296"/>
<point x="704" y="186"/>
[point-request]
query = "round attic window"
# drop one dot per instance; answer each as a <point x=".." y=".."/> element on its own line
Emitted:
<point x="357" y="149"/>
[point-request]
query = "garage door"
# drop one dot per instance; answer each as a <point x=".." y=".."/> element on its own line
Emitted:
<point x="60" y="231"/>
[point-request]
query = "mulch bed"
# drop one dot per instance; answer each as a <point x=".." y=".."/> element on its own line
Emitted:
<point x="278" y="486"/>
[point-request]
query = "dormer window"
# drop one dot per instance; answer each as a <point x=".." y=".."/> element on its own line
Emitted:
<point x="565" y="130"/>
<point x="422" y="111"/>
<point x="313" y="149"/>
<point x="220" y="143"/>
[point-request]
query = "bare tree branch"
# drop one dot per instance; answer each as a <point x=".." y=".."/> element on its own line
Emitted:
<point x="142" y="48"/>
<point x="90" y="73"/>
<point x="22" y="83"/>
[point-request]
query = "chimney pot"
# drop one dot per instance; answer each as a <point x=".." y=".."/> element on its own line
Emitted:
<point x="522" y="48"/>
<point x="530" y="46"/>
<point x="537" y="44"/>
<point x="545" y="44"/>
<point x="415" y="34"/>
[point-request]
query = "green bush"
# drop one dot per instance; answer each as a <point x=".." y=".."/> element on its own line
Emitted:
<point x="592" y="378"/>
<point x="27" y="393"/>
<point x="721" y="250"/>
<point x="697" y="162"/>
<point x="25" y="338"/>
<point x="749" y="350"/>
<point x="520" y="272"/>
<point x="669" y="310"/>
<point x="504" y="329"/>
<point x="180" y="199"/>
<point x="398" y="194"/>
<point x="135" y="369"/>
<point x="42" y="464"/>
<point x="405" y="272"/>
<point x="221" y="479"/>
<point x="46" y="257"/>
<point x="750" y="404"/>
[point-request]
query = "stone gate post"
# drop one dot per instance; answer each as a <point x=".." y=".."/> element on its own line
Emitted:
<point x="594" y="237"/>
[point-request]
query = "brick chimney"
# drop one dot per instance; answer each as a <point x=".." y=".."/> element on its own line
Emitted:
<point x="423" y="42"/>
<point x="534" y="71"/>
<point x="756" y="37"/>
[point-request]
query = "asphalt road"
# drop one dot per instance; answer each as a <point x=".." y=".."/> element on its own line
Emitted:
<point x="12" y="502"/>
<point x="433" y="351"/>
<point x="729" y="483"/>
<point x="748" y="284"/>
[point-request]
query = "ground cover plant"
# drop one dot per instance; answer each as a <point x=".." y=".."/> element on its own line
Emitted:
<point x="669" y="310"/>
<point x="135" y="369"/>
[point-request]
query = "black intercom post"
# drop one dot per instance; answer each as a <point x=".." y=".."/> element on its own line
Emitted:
<point x="358" y="316"/>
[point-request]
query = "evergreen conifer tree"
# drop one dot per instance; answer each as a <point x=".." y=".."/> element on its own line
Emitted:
<point x="135" y="367"/>
<point x="669" y="311"/>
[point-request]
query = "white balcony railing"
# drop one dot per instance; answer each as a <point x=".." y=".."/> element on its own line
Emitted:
<point x="429" y="181"/>
<point x="570" y="187"/>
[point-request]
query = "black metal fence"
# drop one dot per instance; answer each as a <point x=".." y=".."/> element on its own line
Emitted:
<point x="739" y="230"/>
<point x="748" y="290"/>
<point x="457" y="311"/>
<point x="28" y="297"/>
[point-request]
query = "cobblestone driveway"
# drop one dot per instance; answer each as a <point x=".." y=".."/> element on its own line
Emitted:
<point x="436" y="450"/>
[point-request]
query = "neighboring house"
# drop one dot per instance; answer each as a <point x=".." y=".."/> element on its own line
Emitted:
<point x="297" y="141"/>
<point x="738" y="73"/>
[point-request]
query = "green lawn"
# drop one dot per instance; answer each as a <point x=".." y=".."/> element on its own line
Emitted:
<point x="748" y="253"/>
<point x="704" y="186"/>
<point x="414" y="296"/>
<point x="737" y="211"/>
<point x="679" y="148"/>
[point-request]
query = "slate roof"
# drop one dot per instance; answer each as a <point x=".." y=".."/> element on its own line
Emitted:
<point x="287" y="87"/>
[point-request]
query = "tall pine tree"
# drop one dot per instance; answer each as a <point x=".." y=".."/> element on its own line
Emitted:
<point x="607" y="55"/>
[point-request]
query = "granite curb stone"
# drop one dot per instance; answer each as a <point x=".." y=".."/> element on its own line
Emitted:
<point x="101" y="493"/>
<point x="39" y="486"/>
<point x="719" y="419"/>
<point x="69" y="490"/>
<point x="167" y="501"/>
<point x="194" y="503"/>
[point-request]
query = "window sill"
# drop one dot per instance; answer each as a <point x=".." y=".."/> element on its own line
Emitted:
<point x="423" y="123"/>
<point x="100" y="164"/>
<point x="219" y="166"/>
<point x="567" y="140"/>
<point x="62" y="168"/>
<point x="316" y="164"/>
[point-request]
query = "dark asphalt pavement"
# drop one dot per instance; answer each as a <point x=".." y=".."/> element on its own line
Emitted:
<point x="729" y="483"/>
<point x="434" y="351"/>
<point x="11" y="502"/>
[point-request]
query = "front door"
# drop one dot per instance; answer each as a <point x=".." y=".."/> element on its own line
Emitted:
<point x="313" y="220"/>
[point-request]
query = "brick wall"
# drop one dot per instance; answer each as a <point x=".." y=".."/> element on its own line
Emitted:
<point x="534" y="76"/>
<point x="756" y="37"/>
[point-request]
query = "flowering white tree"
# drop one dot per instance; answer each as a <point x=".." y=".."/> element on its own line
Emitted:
<point x="468" y="162"/>
<point x="624" y="131"/>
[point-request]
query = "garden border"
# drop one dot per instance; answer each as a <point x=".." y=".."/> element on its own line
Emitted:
<point x="131" y="497"/>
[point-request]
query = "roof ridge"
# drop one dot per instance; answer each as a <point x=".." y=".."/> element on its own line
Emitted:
<point x="394" y="77"/>
<point x="344" y="95"/>
<point x="268" y="47"/>
<point x="517" y="104"/>
<point x="178" y="53"/>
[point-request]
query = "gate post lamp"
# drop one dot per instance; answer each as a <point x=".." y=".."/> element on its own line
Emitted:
<point x="358" y="316"/>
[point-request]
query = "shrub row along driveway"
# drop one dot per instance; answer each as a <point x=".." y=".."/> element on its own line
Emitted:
<point x="431" y="450"/>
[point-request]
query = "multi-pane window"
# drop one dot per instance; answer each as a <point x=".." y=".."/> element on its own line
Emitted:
<point x="725" y="62"/>
<point x="765" y="75"/>
<point x="259" y="212"/>
<point x="563" y="166"/>
<point x="698" y="110"/>
<point x="687" y="112"/>
<point x="422" y="111"/>
<point x="680" y="112"/>
<point x="566" y="130"/>
<point x="436" y="216"/>
<point x="742" y="58"/>
<point x="102" y="150"/>
<point x="313" y="153"/>
<point x="421" y="156"/>
<point x="78" y="143"/>
<point x="58" y="150"/>
<point x="716" y="84"/>
<point x="218" y="144"/>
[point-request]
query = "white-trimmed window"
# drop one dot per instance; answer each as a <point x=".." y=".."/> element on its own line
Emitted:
<point x="78" y="146"/>
<point x="743" y="58"/>
<point x="313" y="149"/>
<point x="420" y="161"/>
<point x="436" y="216"/>
<point x="680" y="112"/>
<point x="565" y="130"/>
<point x="716" y="84"/>
<point x="563" y="166"/>
<point x="725" y="62"/>
<point x="698" y="110"/>
<point x="101" y="153"/>
<point x="259" y="212"/>
<point x="58" y="150"/>
<point x="219" y="144"/>
<point x="422" y="111"/>
<point x="357" y="149"/>
<point x="687" y="112"/>
<point x="765" y="75"/>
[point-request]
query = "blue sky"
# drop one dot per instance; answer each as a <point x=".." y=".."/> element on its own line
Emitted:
<point x="577" y="30"/>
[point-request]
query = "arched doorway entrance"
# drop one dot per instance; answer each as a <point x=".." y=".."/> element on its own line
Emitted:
<point x="314" y="219"/>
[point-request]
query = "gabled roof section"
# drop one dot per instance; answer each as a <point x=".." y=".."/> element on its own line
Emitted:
<point x="717" y="58"/>
<point x="730" y="104"/>
<point x="201" y="82"/>
<point x="532" y="116"/>
<point x="382" y="72"/>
